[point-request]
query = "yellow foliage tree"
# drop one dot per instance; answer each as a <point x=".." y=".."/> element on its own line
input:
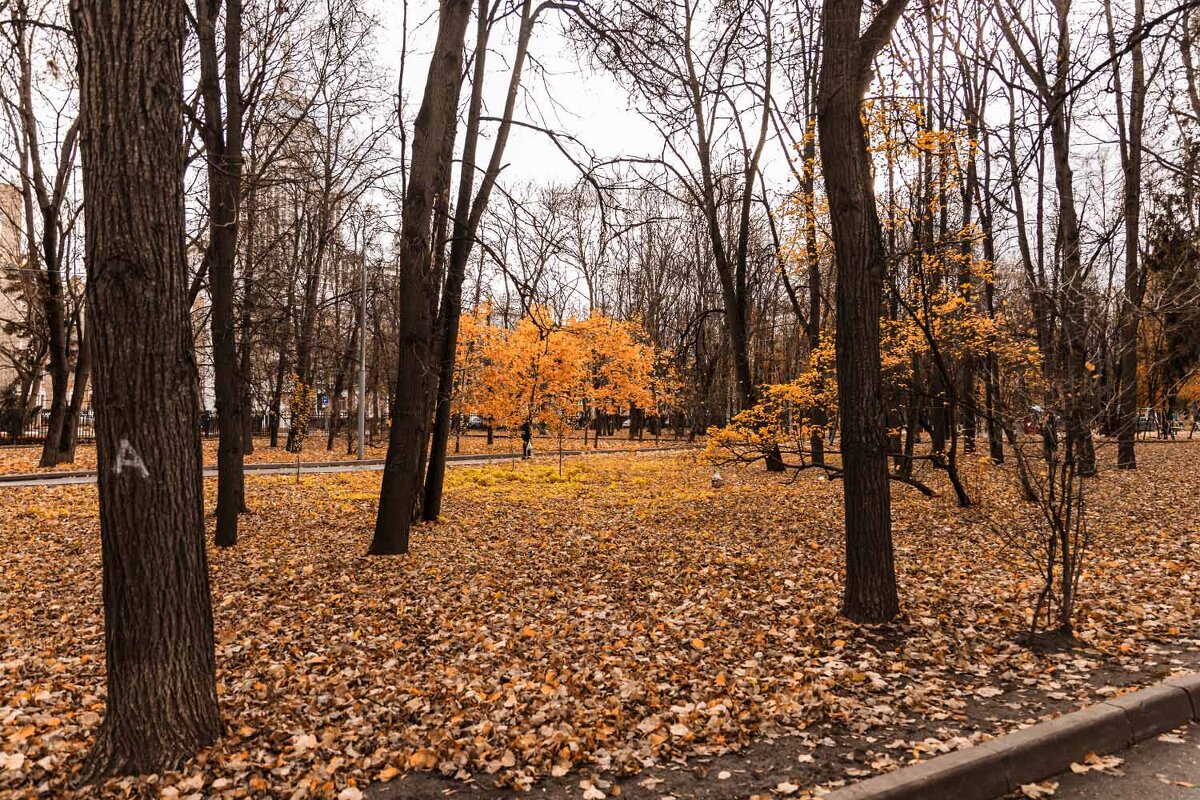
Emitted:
<point x="553" y="375"/>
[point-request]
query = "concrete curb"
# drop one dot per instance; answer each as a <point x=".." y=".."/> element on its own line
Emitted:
<point x="1040" y="751"/>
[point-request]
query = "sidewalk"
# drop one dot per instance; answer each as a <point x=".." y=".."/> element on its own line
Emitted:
<point x="1158" y="769"/>
<point x="1026" y="762"/>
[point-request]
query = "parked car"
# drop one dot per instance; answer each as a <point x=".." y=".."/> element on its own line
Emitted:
<point x="476" y="423"/>
<point x="625" y="424"/>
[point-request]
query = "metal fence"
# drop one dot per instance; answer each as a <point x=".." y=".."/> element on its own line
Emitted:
<point x="14" y="430"/>
<point x="32" y="431"/>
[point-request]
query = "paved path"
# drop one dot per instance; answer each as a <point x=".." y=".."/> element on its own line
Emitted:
<point x="284" y="468"/>
<point x="1154" y="770"/>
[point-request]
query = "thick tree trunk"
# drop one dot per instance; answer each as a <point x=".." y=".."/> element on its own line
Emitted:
<point x="433" y="144"/>
<point x="870" y="591"/>
<point x="161" y="703"/>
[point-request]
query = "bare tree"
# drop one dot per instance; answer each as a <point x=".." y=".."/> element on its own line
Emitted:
<point x="48" y="222"/>
<point x="222" y="134"/>
<point x="428" y="182"/>
<point x="1130" y="113"/>
<point x="468" y="211"/>
<point x="870" y="590"/>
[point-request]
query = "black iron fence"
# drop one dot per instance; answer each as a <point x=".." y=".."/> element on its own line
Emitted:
<point x="32" y="429"/>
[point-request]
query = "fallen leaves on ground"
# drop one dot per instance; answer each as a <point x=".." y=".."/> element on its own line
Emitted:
<point x="621" y="615"/>
<point x="1037" y="790"/>
<point x="1097" y="763"/>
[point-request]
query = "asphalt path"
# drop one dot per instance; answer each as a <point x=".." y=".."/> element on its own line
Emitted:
<point x="1165" y="768"/>
<point x="370" y="465"/>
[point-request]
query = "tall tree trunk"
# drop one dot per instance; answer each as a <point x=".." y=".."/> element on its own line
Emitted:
<point x="44" y="195"/>
<point x="433" y="145"/>
<point x="468" y="213"/>
<point x="161" y="703"/>
<point x="1129" y="134"/>
<point x="870" y="591"/>
<point x="222" y="136"/>
<point x="813" y="262"/>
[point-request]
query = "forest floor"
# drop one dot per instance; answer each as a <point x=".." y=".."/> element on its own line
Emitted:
<point x="623" y="630"/>
<point x="24" y="458"/>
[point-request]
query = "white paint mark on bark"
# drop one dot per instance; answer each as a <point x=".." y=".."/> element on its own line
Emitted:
<point x="128" y="457"/>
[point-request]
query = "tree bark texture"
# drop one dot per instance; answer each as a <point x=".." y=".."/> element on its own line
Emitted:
<point x="161" y="704"/>
<point x="870" y="590"/>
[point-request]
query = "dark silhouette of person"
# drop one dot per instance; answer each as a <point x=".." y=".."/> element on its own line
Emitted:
<point x="526" y="439"/>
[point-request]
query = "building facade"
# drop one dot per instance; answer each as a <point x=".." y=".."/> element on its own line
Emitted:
<point x="11" y="261"/>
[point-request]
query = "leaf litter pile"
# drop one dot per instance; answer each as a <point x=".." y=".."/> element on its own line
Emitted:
<point x="598" y="633"/>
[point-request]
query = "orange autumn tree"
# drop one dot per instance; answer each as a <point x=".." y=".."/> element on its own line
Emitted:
<point x="942" y="331"/>
<point x="619" y="366"/>
<point x="785" y="417"/>
<point x="477" y="339"/>
<point x="950" y="329"/>
<point x="553" y="375"/>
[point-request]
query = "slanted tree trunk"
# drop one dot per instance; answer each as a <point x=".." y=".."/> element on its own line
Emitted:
<point x="870" y="591"/>
<point x="468" y="212"/>
<point x="433" y="145"/>
<point x="161" y="703"/>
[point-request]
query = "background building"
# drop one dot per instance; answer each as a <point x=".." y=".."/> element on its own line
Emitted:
<point x="11" y="260"/>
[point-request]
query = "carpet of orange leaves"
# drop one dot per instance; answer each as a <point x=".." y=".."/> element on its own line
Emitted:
<point x="601" y="622"/>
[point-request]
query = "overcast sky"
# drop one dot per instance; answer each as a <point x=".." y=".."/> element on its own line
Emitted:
<point x="564" y="94"/>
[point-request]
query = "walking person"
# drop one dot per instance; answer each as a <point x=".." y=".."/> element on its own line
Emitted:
<point x="526" y="439"/>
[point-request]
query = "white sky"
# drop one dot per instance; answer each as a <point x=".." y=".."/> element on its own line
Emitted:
<point x="587" y="103"/>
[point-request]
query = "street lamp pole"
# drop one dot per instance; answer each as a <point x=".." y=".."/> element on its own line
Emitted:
<point x="362" y="353"/>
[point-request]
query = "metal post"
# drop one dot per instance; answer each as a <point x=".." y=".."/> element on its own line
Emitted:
<point x="362" y="357"/>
